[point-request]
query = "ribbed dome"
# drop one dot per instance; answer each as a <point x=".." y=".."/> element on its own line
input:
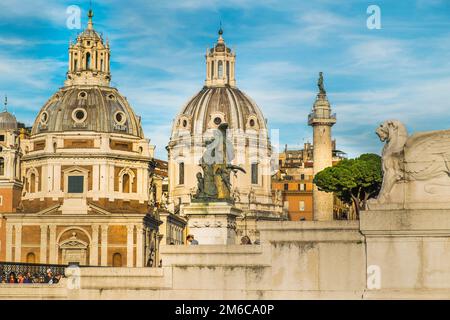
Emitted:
<point x="7" y="121"/>
<point x="78" y="108"/>
<point x="214" y="105"/>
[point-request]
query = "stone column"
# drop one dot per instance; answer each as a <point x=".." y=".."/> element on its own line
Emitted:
<point x="103" y="179"/>
<point x="93" y="253"/>
<point x="44" y="175"/>
<point x="43" y="250"/>
<point x="104" y="258"/>
<point x="139" y="246"/>
<point x="146" y="245"/>
<point x="130" y="231"/>
<point x="56" y="177"/>
<point x="111" y="176"/>
<point x="53" y="245"/>
<point x="50" y="172"/>
<point x="9" y="231"/>
<point x="96" y="180"/>
<point x="18" y="244"/>
<point x="321" y="119"/>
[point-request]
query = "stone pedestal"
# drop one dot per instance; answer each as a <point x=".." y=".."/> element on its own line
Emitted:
<point x="212" y="222"/>
<point x="408" y="248"/>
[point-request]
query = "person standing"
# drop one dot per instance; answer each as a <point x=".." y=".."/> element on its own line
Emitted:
<point x="49" y="277"/>
<point x="12" y="278"/>
<point x="191" y="241"/>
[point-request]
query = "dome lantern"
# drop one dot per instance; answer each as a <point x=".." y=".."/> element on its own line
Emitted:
<point x="89" y="58"/>
<point x="7" y="120"/>
<point x="220" y="64"/>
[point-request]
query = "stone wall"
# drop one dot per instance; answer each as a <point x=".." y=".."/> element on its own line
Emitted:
<point x="296" y="260"/>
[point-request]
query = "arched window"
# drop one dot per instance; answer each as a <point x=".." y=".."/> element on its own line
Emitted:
<point x="254" y="173"/>
<point x="228" y="70"/>
<point x="88" y="61"/>
<point x="181" y="173"/>
<point x="75" y="65"/>
<point x="101" y="64"/>
<point x="2" y="166"/>
<point x="126" y="183"/>
<point x="220" y="69"/>
<point x="212" y="69"/>
<point x="32" y="186"/>
<point x="126" y="180"/>
<point x="31" y="258"/>
<point x="117" y="260"/>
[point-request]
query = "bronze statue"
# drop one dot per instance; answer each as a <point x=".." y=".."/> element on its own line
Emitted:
<point x="215" y="184"/>
<point x="320" y="84"/>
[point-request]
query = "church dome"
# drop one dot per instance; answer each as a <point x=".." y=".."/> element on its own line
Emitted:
<point x="7" y="121"/>
<point x="87" y="102"/>
<point x="220" y="101"/>
<point x="215" y="105"/>
<point x="89" y="108"/>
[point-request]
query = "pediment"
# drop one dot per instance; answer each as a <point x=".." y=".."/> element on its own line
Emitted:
<point x="96" y="210"/>
<point x="76" y="169"/>
<point x="50" y="210"/>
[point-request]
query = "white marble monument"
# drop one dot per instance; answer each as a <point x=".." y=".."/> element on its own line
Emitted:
<point x="407" y="228"/>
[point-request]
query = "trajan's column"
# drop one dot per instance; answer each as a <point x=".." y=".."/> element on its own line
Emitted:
<point x="321" y="119"/>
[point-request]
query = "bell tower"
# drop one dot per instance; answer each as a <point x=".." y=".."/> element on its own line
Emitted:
<point x="10" y="155"/>
<point x="220" y="63"/>
<point x="321" y="119"/>
<point x="89" y="58"/>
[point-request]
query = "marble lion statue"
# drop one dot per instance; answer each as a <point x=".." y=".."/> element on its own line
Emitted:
<point x="423" y="156"/>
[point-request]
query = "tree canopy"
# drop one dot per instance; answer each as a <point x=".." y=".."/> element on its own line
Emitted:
<point x="353" y="180"/>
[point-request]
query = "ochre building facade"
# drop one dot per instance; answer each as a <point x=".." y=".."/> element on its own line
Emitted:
<point x="78" y="186"/>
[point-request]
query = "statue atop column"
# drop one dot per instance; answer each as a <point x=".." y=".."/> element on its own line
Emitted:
<point x="215" y="184"/>
<point x="320" y="84"/>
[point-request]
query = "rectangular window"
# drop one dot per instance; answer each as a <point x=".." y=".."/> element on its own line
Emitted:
<point x="302" y="177"/>
<point x="301" y="186"/>
<point x="75" y="184"/>
<point x="181" y="173"/>
<point x="2" y="137"/>
<point x="301" y="205"/>
<point x="286" y="186"/>
<point x="254" y="173"/>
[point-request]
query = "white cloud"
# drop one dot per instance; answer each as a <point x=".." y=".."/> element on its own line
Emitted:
<point x="41" y="10"/>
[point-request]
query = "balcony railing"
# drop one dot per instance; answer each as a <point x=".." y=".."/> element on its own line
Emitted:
<point x="35" y="269"/>
<point x="316" y="116"/>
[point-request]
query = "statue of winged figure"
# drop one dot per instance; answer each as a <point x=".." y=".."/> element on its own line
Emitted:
<point x="421" y="157"/>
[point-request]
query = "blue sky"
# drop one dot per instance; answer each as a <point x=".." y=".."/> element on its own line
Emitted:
<point x="401" y="71"/>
